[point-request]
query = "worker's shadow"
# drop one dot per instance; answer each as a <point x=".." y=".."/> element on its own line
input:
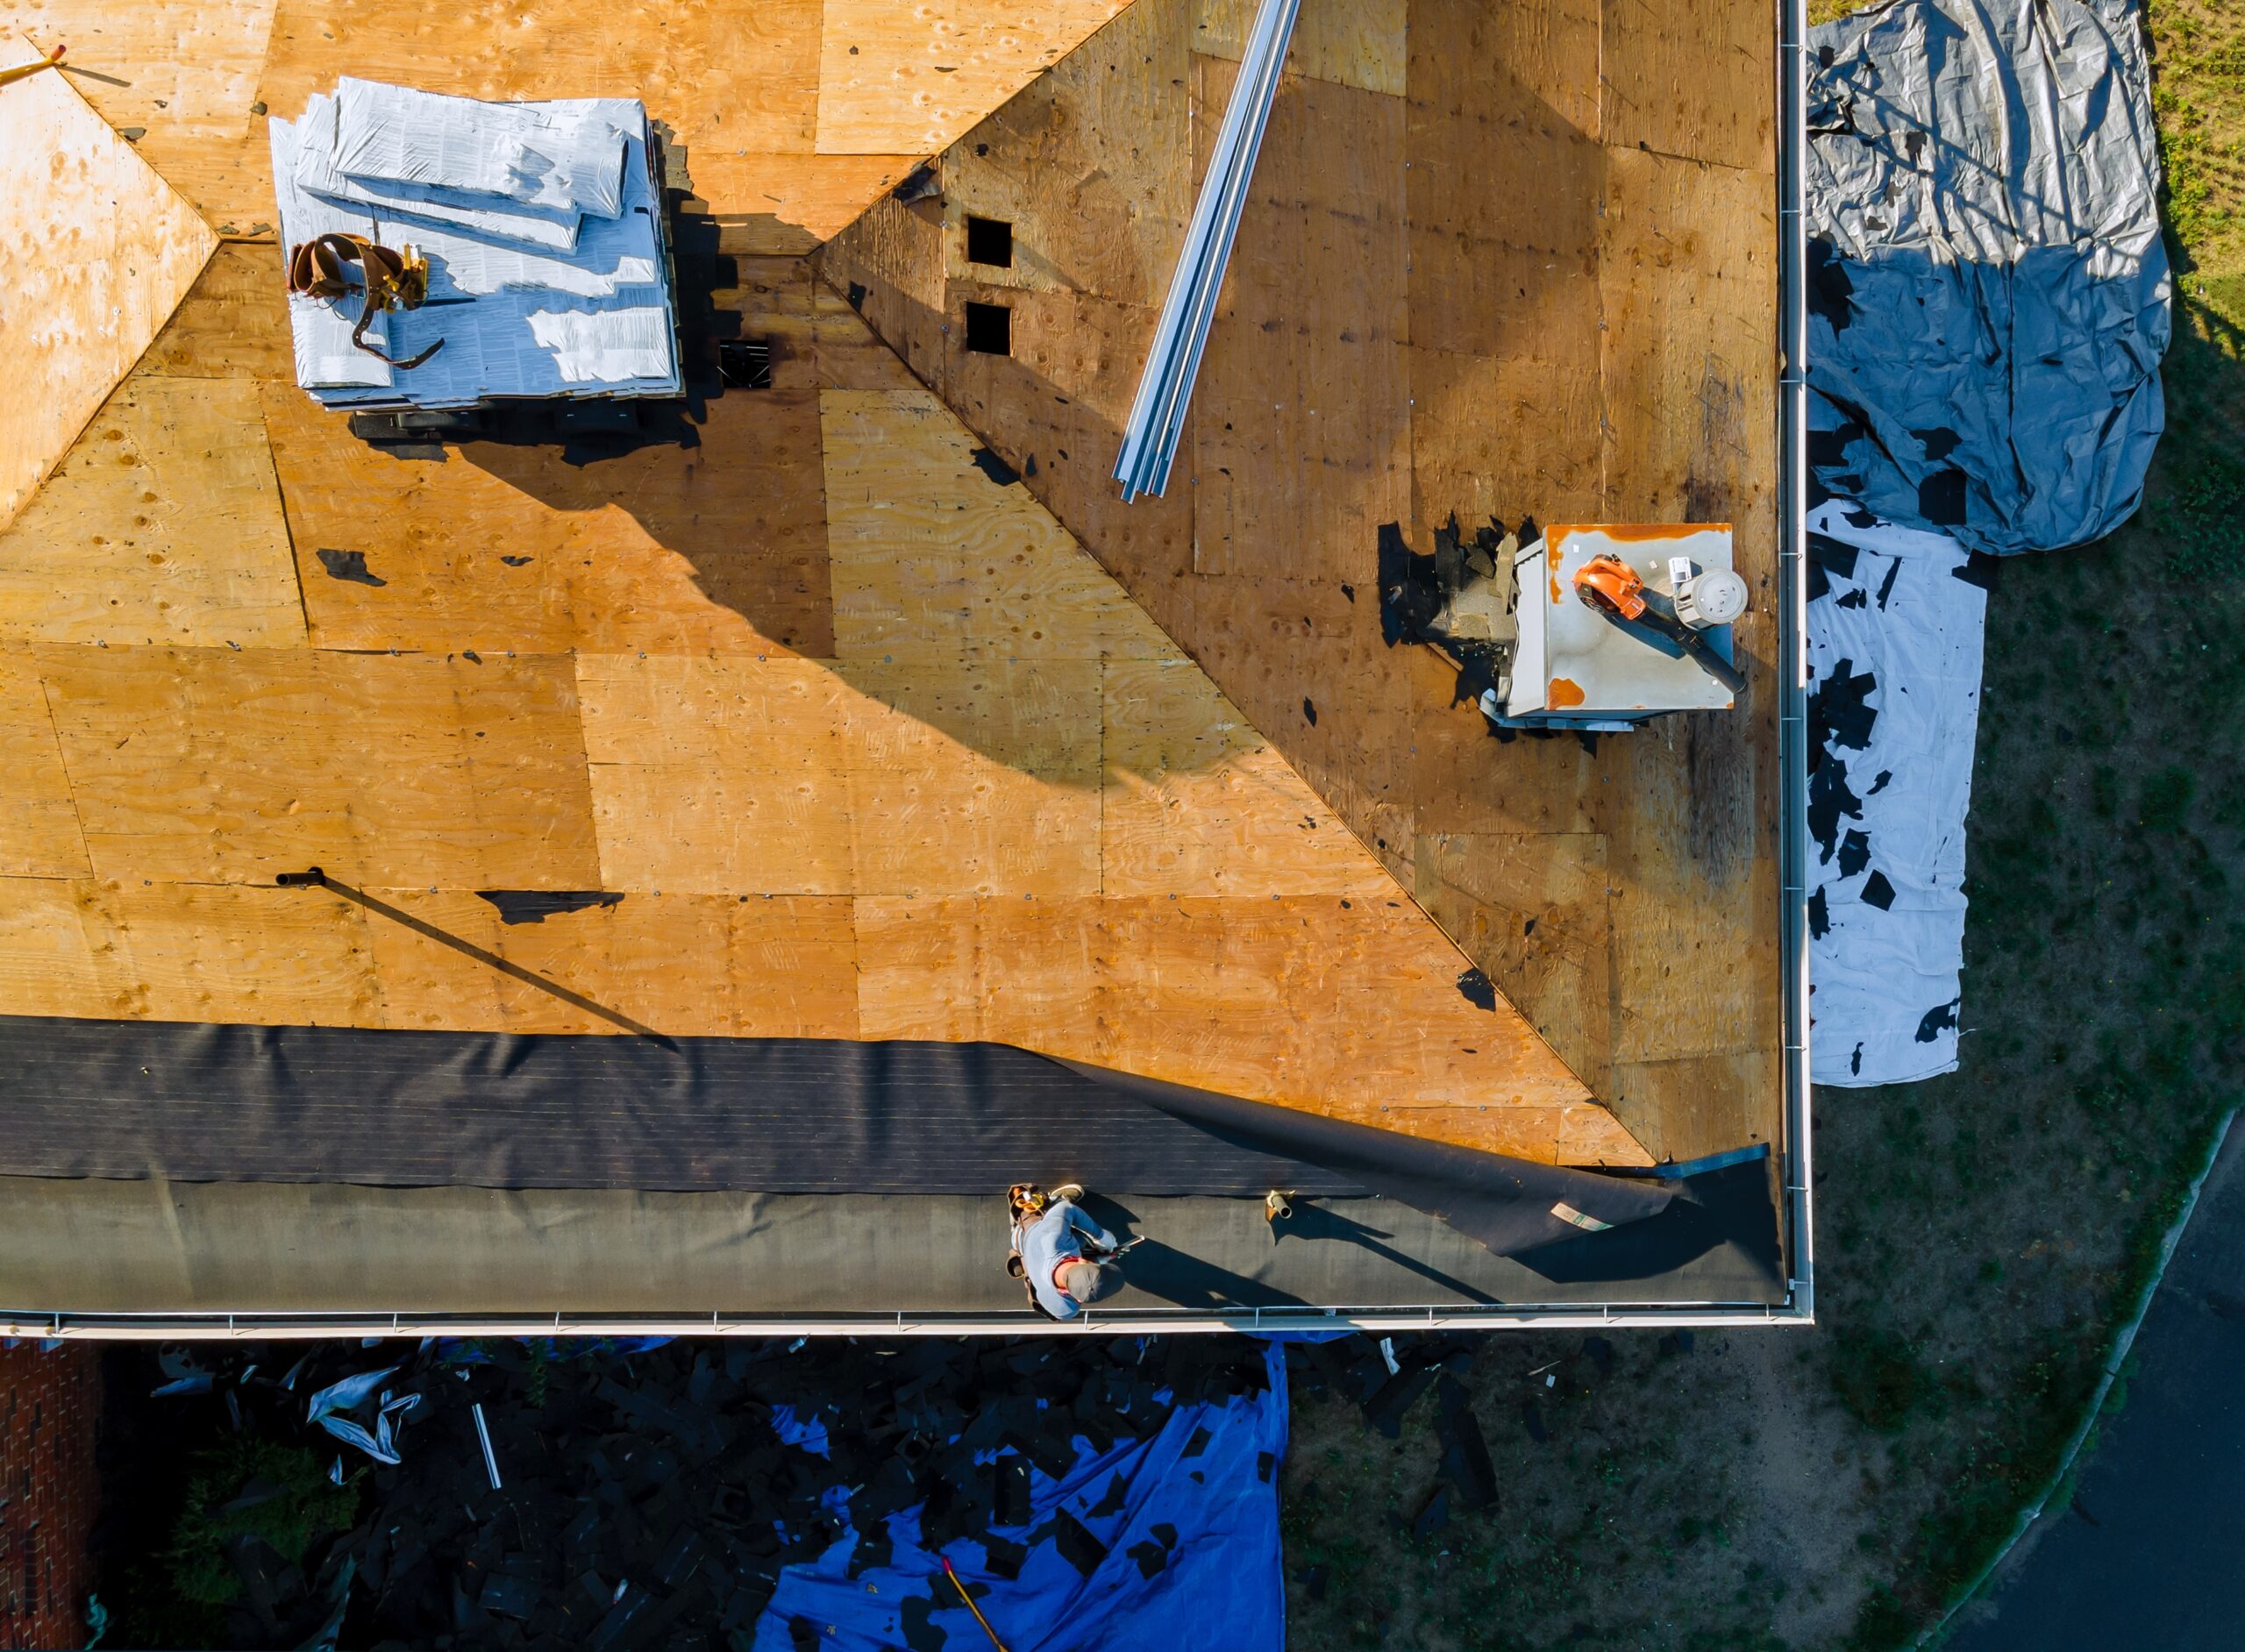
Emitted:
<point x="1193" y="1281"/>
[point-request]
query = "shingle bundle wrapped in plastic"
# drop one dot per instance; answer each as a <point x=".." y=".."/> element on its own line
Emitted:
<point x="542" y="226"/>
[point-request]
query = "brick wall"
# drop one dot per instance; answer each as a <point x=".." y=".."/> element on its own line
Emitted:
<point x="50" y="1409"/>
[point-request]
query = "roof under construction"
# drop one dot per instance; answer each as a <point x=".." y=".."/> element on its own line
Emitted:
<point x="655" y="776"/>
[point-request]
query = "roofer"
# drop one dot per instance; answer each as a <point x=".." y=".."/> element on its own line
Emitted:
<point x="1062" y="1256"/>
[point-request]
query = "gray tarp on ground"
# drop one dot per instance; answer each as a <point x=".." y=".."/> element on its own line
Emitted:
<point x="1988" y="292"/>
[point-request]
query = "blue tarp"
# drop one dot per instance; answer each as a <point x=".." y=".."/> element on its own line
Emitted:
<point x="1188" y="1519"/>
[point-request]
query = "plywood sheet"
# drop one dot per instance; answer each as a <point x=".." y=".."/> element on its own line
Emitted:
<point x="689" y="964"/>
<point x="233" y="321"/>
<point x="1301" y="434"/>
<point x="183" y="75"/>
<point x="934" y="559"/>
<point x="1531" y="63"/>
<point x="1199" y="803"/>
<point x="1532" y="910"/>
<point x="1696" y="1105"/>
<point x="717" y="546"/>
<point x="95" y="252"/>
<point x="737" y="79"/>
<point x="198" y="766"/>
<point x="163" y="524"/>
<point x="978" y="782"/>
<point x="1260" y="998"/>
<point x="169" y="951"/>
<point x="1687" y="281"/>
<point x="789" y="777"/>
<point x="1353" y="1011"/>
<point x="786" y="204"/>
<point x="38" y="818"/>
<point x="1054" y="411"/>
<point x="899" y="77"/>
<point x="1505" y="320"/>
<point x="723" y="776"/>
<point x="1360" y="43"/>
<point x="1092" y="164"/>
<point x="1684" y="77"/>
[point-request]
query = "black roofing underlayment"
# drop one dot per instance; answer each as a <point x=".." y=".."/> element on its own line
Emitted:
<point x="131" y="1100"/>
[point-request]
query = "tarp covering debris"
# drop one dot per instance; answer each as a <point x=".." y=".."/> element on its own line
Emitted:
<point x="1089" y="1494"/>
<point x="1894" y="624"/>
<point x="1987" y="290"/>
<point x="1169" y="1539"/>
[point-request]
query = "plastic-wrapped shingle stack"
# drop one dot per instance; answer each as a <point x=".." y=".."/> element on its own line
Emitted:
<point x="549" y="275"/>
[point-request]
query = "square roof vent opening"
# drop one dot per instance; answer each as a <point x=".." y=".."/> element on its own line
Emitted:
<point x="989" y="328"/>
<point x="989" y="241"/>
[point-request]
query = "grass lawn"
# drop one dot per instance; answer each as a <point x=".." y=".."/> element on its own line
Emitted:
<point x="1981" y="1234"/>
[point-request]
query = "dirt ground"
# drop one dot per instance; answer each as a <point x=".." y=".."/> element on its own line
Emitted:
<point x="1981" y="1234"/>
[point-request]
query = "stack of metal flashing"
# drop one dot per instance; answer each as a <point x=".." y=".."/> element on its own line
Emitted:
<point x="1166" y="388"/>
<point x="541" y="224"/>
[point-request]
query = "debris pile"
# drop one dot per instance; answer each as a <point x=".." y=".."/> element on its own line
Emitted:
<point x="766" y="1493"/>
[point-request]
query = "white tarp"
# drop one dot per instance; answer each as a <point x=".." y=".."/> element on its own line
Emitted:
<point x="1895" y="636"/>
<point x="560" y="156"/>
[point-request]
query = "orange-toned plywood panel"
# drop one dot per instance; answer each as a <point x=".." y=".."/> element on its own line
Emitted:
<point x="1092" y="165"/>
<point x="162" y="524"/>
<point x="1692" y="79"/>
<point x="911" y="75"/>
<point x="934" y="557"/>
<point x="1199" y="803"/>
<point x="1532" y="907"/>
<point x="1301" y="433"/>
<point x="689" y="964"/>
<point x="1360" y="43"/>
<point x="789" y="777"/>
<point x="233" y="321"/>
<point x="980" y="780"/>
<point x="195" y="764"/>
<point x="170" y="951"/>
<point x="720" y="546"/>
<point x="721" y="776"/>
<point x="181" y="76"/>
<point x="95" y="252"/>
<point x="1273" y="1000"/>
<point x="38" y="818"/>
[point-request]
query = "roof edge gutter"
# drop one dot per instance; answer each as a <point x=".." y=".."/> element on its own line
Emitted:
<point x="265" y="1325"/>
<point x="1798" y="1165"/>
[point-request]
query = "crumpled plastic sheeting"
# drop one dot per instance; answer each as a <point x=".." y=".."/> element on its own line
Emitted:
<point x="1178" y="1532"/>
<point x="1988" y="292"/>
<point x="1895" y="618"/>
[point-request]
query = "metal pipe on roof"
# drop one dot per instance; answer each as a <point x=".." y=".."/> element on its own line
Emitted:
<point x="1165" y="386"/>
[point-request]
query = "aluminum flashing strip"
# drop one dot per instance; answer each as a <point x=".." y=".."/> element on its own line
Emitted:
<point x="1165" y="388"/>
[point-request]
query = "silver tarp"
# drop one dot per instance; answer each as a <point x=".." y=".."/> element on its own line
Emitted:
<point x="1988" y="292"/>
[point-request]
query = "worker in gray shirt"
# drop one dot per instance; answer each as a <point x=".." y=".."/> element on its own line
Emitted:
<point x="1063" y="1256"/>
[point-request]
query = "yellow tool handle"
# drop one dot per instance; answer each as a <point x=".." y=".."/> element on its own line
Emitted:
<point x="23" y="69"/>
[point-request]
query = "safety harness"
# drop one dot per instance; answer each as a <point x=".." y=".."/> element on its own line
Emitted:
<point x="392" y="281"/>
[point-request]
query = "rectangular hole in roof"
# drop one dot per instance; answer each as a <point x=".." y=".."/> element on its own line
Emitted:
<point x="990" y="329"/>
<point x="745" y="364"/>
<point x="989" y="241"/>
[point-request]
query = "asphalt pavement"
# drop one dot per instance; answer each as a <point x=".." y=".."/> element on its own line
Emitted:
<point x="2150" y="1558"/>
